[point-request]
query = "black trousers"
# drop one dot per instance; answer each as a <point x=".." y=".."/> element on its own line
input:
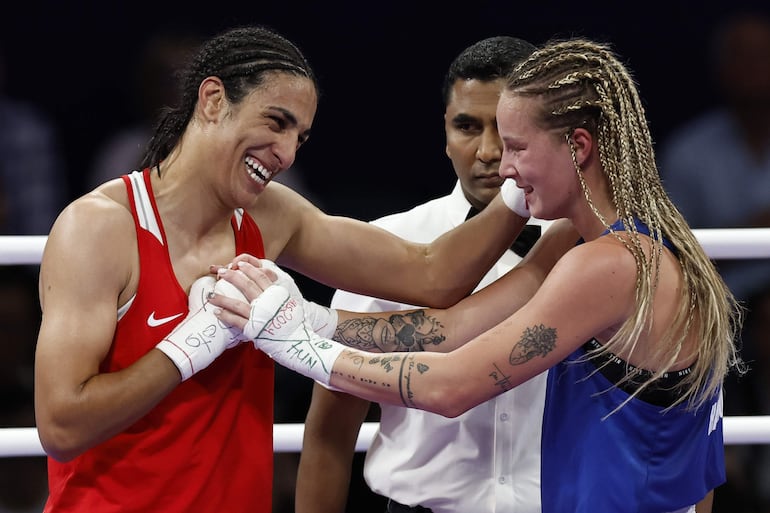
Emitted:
<point x="397" y="507"/>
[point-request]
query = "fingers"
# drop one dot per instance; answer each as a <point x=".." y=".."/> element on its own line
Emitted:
<point x="260" y="275"/>
<point x="235" y="263"/>
<point x="200" y="291"/>
<point x="250" y="280"/>
<point x="253" y="263"/>
<point x="246" y="275"/>
<point x="272" y="276"/>
<point x="234" y="305"/>
<point x="231" y="311"/>
<point x="245" y="257"/>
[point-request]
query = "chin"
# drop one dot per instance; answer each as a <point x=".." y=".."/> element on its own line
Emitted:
<point x="540" y="214"/>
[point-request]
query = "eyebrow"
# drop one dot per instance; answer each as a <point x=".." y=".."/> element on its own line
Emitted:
<point x="290" y="118"/>
<point x="464" y="118"/>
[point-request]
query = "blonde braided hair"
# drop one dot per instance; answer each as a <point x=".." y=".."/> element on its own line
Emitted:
<point x="582" y="83"/>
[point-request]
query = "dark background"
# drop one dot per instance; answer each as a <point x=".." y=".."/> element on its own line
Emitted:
<point x="377" y="143"/>
<point x="378" y="139"/>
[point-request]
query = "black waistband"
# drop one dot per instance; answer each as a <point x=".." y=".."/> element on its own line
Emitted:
<point x="663" y="391"/>
<point x="397" y="507"/>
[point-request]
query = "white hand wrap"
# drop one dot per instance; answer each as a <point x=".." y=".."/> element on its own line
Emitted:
<point x="323" y="320"/>
<point x="514" y="198"/>
<point x="278" y="327"/>
<point x="200" y="291"/>
<point x="201" y="337"/>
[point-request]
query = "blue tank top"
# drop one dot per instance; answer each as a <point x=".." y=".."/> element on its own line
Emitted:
<point x="642" y="458"/>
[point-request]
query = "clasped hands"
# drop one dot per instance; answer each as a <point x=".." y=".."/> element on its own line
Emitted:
<point x="280" y="307"/>
<point x="270" y="311"/>
<point x="252" y="300"/>
<point x="252" y="277"/>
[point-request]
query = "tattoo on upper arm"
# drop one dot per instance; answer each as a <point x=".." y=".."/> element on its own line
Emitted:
<point x="401" y="332"/>
<point x="535" y="341"/>
<point x="502" y="380"/>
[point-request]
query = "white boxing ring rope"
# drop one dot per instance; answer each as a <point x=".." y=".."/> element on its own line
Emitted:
<point x="732" y="243"/>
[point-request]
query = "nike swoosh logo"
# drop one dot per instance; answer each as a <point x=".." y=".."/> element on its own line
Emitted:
<point x="153" y="322"/>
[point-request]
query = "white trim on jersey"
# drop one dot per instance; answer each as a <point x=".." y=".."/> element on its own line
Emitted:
<point x="144" y="211"/>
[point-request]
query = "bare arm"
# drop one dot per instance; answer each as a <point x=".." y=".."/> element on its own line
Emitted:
<point x="357" y="256"/>
<point x="86" y="266"/>
<point x="558" y="319"/>
<point x="704" y="506"/>
<point x="554" y="322"/>
<point x="427" y="329"/>
<point x="331" y="429"/>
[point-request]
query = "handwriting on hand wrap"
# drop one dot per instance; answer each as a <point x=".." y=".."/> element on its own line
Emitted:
<point x="306" y="351"/>
<point x="203" y="337"/>
<point x="302" y="345"/>
<point x="285" y="317"/>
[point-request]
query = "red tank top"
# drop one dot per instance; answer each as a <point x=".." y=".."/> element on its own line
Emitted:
<point x="208" y="446"/>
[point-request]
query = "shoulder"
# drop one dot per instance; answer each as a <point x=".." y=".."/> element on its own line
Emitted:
<point x="608" y="251"/>
<point x="109" y="201"/>
<point x="603" y="262"/>
<point x="593" y="285"/>
<point x="91" y="249"/>
<point x="279" y="200"/>
<point x="99" y="218"/>
<point x="282" y="214"/>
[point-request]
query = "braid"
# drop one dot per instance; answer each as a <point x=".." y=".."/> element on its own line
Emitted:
<point x="241" y="58"/>
<point x="583" y="84"/>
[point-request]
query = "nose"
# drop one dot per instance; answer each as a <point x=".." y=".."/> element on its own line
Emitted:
<point x="507" y="169"/>
<point x="285" y="151"/>
<point x="490" y="147"/>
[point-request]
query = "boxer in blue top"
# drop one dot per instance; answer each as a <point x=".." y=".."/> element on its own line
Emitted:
<point x="634" y="325"/>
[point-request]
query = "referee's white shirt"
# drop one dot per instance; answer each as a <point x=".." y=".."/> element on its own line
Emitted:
<point x="486" y="460"/>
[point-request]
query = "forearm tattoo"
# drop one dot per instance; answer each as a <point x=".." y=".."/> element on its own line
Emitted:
<point x="405" y="365"/>
<point x="535" y="341"/>
<point x="408" y="331"/>
<point x="408" y="367"/>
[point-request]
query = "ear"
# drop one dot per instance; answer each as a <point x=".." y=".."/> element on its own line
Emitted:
<point x="211" y="99"/>
<point x="446" y="145"/>
<point x="583" y="142"/>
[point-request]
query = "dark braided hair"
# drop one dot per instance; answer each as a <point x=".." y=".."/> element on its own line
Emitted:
<point x="240" y="57"/>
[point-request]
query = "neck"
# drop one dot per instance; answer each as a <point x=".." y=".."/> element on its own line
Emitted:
<point x="187" y="202"/>
<point x="589" y="225"/>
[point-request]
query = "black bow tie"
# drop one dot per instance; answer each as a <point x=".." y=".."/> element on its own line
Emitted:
<point x="524" y="241"/>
